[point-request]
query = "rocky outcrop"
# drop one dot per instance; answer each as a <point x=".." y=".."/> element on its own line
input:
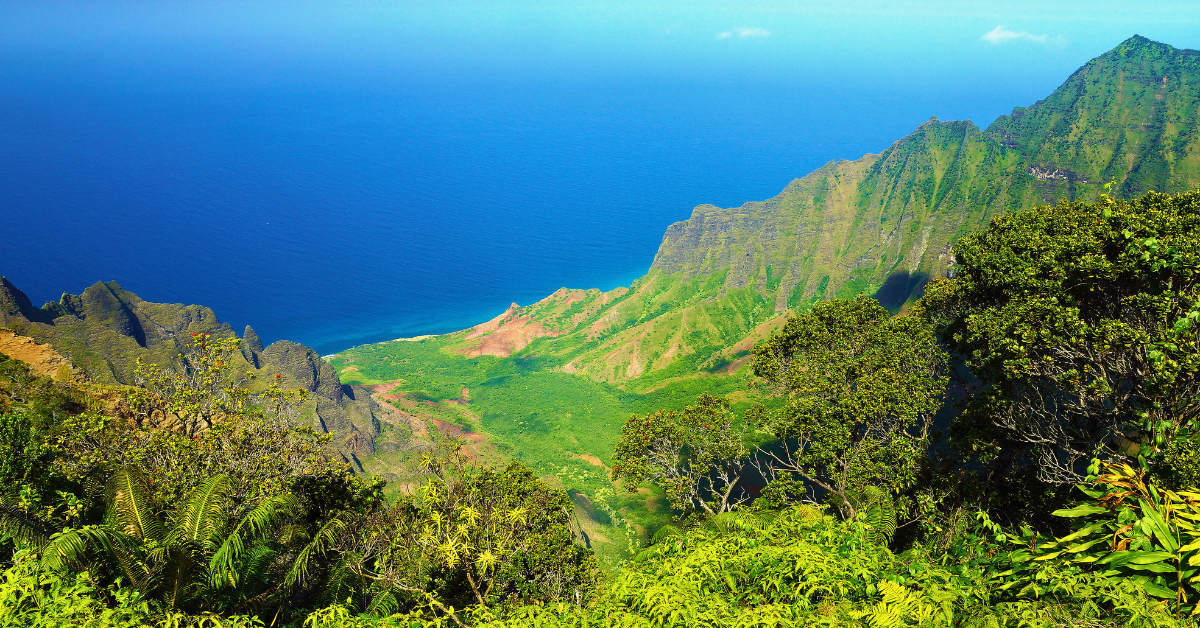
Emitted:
<point x="106" y="329"/>
<point x="304" y="367"/>
<point x="14" y="304"/>
<point x="251" y="347"/>
<point x="108" y="305"/>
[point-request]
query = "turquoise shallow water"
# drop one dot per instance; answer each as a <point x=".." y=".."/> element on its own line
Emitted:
<point x="340" y="203"/>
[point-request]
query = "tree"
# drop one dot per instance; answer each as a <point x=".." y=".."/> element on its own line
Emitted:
<point x="697" y="456"/>
<point x="200" y="390"/>
<point x="861" y="388"/>
<point x="1079" y="322"/>
<point x="221" y="427"/>
<point x="468" y="535"/>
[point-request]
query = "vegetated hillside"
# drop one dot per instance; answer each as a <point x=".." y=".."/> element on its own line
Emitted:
<point x="882" y="224"/>
<point x="105" y="330"/>
<point x="550" y="383"/>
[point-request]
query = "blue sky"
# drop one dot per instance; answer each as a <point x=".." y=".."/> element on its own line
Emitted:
<point x="973" y="46"/>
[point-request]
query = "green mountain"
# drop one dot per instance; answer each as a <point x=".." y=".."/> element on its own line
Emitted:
<point x="882" y="224"/>
<point x="107" y="328"/>
<point x="551" y="383"/>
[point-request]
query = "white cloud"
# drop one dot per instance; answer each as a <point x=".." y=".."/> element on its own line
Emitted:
<point x="1000" y="35"/>
<point x="744" y="32"/>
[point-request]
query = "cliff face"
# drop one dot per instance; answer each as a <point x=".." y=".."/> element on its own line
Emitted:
<point x="884" y="224"/>
<point x="1129" y="117"/>
<point x="107" y="328"/>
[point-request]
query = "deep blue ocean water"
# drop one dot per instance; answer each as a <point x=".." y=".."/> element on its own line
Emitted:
<point x="338" y="204"/>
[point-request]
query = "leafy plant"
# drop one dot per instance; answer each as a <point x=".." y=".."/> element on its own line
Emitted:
<point x="200" y="390"/>
<point x="1133" y="531"/>
<point x="861" y="388"/>
<point x="1078" y="321"/>
<point x="468" y="536"/>
<point x="697" y="456"/>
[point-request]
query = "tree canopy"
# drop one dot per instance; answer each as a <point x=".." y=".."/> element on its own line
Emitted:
<point x="861" y="389"/>
<point x="1078" y="324"/>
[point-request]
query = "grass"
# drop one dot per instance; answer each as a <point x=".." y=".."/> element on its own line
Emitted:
<point x="550" y="420"/>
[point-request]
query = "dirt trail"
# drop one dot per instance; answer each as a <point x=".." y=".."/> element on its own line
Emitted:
<point x="394" y="415"/>
<point x="43" y="359"/>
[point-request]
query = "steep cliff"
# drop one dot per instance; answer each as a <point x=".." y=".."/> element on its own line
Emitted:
<point x="1128" y="117"/>
<point x="882" y="224"/>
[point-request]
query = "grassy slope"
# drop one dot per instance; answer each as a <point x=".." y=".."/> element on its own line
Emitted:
<point x="560" y="424"/>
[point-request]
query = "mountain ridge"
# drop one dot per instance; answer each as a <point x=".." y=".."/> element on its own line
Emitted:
<point x="885" y="223"/>
<point x="104" y="331"/>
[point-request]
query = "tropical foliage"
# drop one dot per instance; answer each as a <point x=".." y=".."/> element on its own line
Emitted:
<point x="697" y="455"/>
<point x="196" y="501"/>
<point x="862" y="388"/>
<point x="1078" y="324"/>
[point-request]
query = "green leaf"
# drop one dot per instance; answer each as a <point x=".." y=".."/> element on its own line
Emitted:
<point x="1081" y="533"/>
<point x="1081" y="510"/>
<point x="1074" y="549"/>
<point x="1158" y="590"/>
<point x="1050" y="555"/>
<point x="1153" y="567"/>
<point x="1162" y="531"/>
<point x="1145" y="558"/>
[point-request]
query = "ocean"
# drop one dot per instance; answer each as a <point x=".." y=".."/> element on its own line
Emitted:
<point x="339" y="204"/>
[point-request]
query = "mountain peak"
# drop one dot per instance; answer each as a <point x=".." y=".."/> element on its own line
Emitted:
<point x="14" y="304"/>
<point x="1141" y="47"/>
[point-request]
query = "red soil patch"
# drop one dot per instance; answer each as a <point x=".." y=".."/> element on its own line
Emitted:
<point x="463" y="400"/>
<point x="476" y="446"/>
<point x="505" y="335"/>
<point x="454" y="431"/>
<point x="590" y="459"/>
<point x="736" y="364"/>
<point x="384" y="391"/>
<point x="381" y="393"/>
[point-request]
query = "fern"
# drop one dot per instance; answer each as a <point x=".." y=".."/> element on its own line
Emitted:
<point x="875" y="507"/>
<point x="223" y="566"/>
<point x="22" y="527"/>
<point x="202" y="515"/>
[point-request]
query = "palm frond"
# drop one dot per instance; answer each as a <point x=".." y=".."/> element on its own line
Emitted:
<point x="183" y="575"/>
<point x="202" y="515"/>
<point x="68" y="548"/>
<point x="22" y="527"/>
<point x="321" y="542"/>
<point x="137" y="570"/>
<point x="342" y="585"/>
<point x="258" y="560"/>
<point x="257" y="523"/>
<point x="267" y="515"/>
<point x="383" y="604"/>
<point x="291" y="534"/>
<point x="877" y="509"/>
<point x="223" y="566"/>
<point x="129" y="505"/>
